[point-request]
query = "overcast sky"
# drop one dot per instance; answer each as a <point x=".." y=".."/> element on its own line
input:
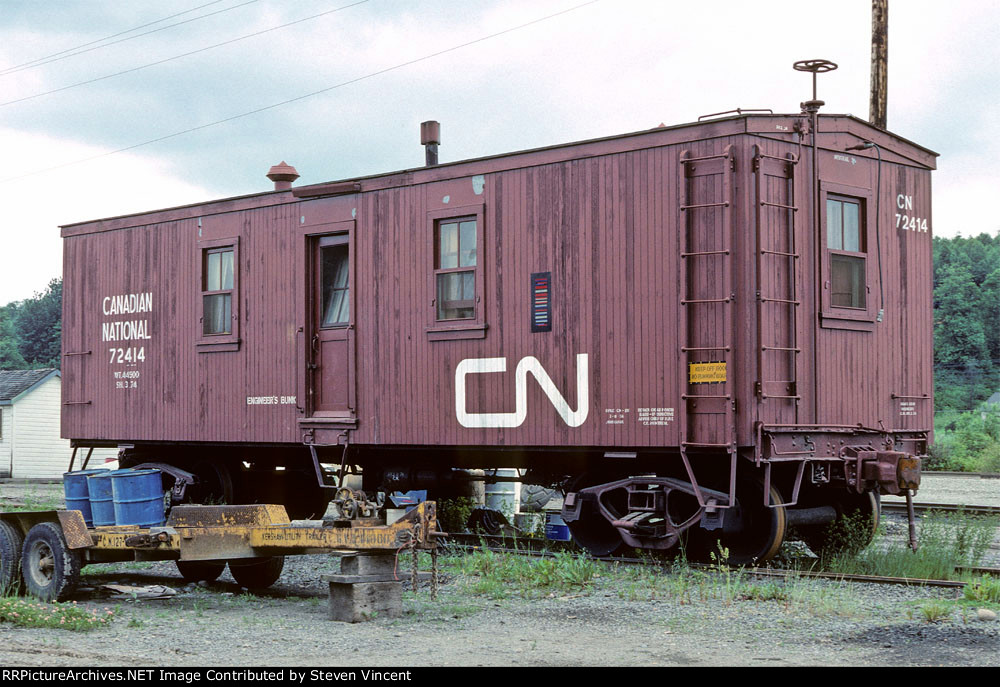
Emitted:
<point x="599" y="69"/>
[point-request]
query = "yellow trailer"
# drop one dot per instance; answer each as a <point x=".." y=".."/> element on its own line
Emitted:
<point x="47" y="549"/>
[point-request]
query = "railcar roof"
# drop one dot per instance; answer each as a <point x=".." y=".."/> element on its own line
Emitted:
<point x="705" y="129"/>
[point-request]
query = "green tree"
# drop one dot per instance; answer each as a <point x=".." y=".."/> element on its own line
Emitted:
<point x="959" y="336"/>
<point x="991" y="314"/>
<point x="39" y="327"/>
<point x="10" y="356"/>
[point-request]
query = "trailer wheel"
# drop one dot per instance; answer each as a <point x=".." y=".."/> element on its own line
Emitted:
<point x="853" y="530"/>
<point x="200" y="571"/>
<point x="50" y="568"/>
<point x="259" y="574"/>
<point x="11" y="543"/>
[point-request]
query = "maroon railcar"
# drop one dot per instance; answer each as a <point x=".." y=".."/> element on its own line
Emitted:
<point x="724" y="323"/>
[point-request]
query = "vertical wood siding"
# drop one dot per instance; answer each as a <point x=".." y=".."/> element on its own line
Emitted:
<point x="608" y="228"/>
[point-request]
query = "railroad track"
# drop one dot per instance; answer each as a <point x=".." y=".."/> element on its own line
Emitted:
<point x="945" y="473"/>
<point x="527" y="546"/>
<point x="894" y="507"/>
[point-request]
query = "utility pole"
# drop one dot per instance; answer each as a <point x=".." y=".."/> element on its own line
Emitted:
<point x="880" y="63"/>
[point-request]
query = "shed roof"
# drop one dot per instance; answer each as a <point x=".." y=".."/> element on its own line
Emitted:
<point x="14" y="383"/>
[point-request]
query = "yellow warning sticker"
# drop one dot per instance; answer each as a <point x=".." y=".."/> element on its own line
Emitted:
<point x="706" y="373"/>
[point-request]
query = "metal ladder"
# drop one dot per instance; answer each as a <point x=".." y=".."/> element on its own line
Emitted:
<point x="704" y="255"/>
<point x="780" y="217"/>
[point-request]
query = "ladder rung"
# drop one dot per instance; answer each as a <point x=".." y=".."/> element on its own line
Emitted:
<point x="778" y="252"/>
<point x="706" y="205"/>
<point x="706" y="300"/>
<point x="793" y="159"/>
<point x="780" y="348"/>
<point x="686" y="444"/>
<point x="779" y="205"/>
<point x="685" y="349"/>
<point x="773" y="396"/>
<point x="706" y="157"/>
<point x="707" y="252"/>
<point x="687" y="396"/>
<point x="778" y="300"/>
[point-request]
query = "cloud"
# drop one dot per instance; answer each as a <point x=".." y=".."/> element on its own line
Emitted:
<point x="34" y="207"/>
<point x="604" y="69"/>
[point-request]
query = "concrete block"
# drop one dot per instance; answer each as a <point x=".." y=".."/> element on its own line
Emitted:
<point x="361" y="601"/>
<point x="368" y="564"/>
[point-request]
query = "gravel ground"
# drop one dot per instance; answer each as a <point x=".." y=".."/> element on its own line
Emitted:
<point x="620" y="621"/>
<point x="977" y="491"/>
<point x="826" y="623"/>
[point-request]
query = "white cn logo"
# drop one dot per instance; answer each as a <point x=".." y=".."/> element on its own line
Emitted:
<point x="529" y="364"/>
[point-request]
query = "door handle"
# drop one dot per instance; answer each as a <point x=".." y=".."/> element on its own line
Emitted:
<point x="315" y="343"/>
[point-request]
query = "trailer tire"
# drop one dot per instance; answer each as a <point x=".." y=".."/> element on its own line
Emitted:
<point x="200" y="571"/>
<point x="51" y="570"/>
<point x="11" y="542"/>
<point x="259" y="574"/>
<point x="534" y="497"/>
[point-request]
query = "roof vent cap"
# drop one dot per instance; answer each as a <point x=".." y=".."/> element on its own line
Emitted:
<point x="282" y="174"/>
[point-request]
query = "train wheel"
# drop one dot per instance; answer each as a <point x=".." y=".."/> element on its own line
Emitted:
<point x="753" y="533"/>
<point x="853" y="530"/>
<point x="592" y="531"/>
<point x="51" y="569"/>
<point x="216" y="484"/>
<point x="200" y="571"/>
<point x="259" y="574"/>
<point x="11" y="543"/>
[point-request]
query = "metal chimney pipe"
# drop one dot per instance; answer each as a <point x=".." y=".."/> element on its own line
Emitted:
<point x="430" y="138"/>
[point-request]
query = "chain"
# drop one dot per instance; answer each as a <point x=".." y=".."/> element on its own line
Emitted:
<point x="414" y="574"/>
<point x="434" y="574"/>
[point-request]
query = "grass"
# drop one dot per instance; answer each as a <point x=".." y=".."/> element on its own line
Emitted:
<point x="67" y="616"/>
<point x="34" y="501"/>
<point x="500" y="575"/>
<point x="113" y="568"/>
<point x="946" y="540"/>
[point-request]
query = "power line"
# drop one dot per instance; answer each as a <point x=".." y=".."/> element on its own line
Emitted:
<point x="44" y="61"/>
<point x="106" y="38"/>
<point x="177" y="57"/>
<point x="303" y="97"/>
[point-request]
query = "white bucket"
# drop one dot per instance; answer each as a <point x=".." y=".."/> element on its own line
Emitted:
<point x="504" y="496"/>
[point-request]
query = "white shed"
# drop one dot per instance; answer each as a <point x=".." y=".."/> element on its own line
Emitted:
<point x="30" y="445"/>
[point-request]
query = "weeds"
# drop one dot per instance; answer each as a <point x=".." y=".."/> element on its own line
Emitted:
<point x="68" y="616"/>
<point x="947" y="540"/>
<point x="769" y="591"/>
<point x="935" y="611"/>
<point x="984" y="590"/>
<point x="453" y="514"/>
<point x="499" y="575"/>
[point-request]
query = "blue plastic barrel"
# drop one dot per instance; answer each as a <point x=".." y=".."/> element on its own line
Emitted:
<point x="102" y="504"/>
<point x="77" y="493"/>
<point x="138" y="497"/>
<point x="556" y="528"/>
